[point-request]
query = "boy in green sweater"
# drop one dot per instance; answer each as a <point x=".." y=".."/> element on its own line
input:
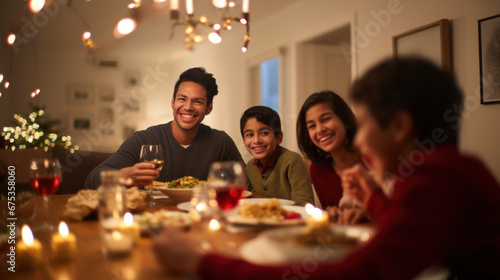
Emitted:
<point x="275" y="171"/>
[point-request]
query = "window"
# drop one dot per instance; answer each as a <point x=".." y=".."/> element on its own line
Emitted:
<point x="269" y="84"/>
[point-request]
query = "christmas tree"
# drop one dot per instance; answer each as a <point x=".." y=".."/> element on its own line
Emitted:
<point x="35" y="131"/>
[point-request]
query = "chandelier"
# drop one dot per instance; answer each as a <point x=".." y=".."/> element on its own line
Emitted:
<point x="128" y="24"/>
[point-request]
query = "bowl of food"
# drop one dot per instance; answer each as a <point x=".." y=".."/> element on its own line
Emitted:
<point x="179" y="190"/>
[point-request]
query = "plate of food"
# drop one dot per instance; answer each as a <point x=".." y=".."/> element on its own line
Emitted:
<point x="154" y="221"/>
<point x="294" y="244"/>
<point x="267" y="212"/>
<point x="179" y="190"/>
<point x="260" y="200"/>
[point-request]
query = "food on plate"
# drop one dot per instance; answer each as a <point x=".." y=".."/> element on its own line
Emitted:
<point x="322" y="235"/>
<point x="186" y="182"/>
<point x="269" y="209"/>
<point x="151" y="220"/>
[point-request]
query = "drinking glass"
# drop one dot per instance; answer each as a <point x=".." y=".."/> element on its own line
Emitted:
<point x="45" y="177"/>
<point x="229" y="180"/>
<point x="152" y="154"/>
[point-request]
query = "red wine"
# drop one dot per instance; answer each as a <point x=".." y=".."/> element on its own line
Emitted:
<point x="45" y="185"/>
<point x="228" y="197"/>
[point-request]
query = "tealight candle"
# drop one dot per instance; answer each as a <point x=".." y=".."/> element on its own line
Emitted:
<point x="317" y="218"/>
<point x="117" y="244"/>
<point x="63" y="244"/>
<point x="28" y="250"/>
<point x="214" y="225"/>
<point x="130" y="227"/>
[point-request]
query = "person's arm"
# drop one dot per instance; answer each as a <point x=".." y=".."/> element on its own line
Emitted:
<point x="300" y="182"/>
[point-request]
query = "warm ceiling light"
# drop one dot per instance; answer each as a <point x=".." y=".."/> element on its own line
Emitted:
<point x="86" y="35"/>
<point x="126" y="26"/>
<point x="36" y="5"/>
<point x="11" y="39"/>
<point x="1" y="78"/>
<point x="221" y="4"/>
<point x="214" y="38"/>
<point x="6" y="85"/>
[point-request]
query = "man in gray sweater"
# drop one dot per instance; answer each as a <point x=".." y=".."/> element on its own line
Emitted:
<point x="188" y="145"/>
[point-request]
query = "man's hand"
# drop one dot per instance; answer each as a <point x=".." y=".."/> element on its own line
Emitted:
<point x="346" y="216"/>
<point x="141" y="173"/>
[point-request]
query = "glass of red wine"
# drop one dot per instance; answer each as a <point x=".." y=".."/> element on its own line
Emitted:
<point x="229" y="181"/>
<point x="45" y="177"/>
<point x="153" y="154"/>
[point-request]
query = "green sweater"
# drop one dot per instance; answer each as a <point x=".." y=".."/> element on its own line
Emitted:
<point x="287" y="178"/>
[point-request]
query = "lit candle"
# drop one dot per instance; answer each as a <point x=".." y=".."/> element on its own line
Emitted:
<point x="117" y="244"/>
<point x="28" y="251"/>
<point x="63" y="244"/>
<point x="130" y="227"/>
<point x="244" y="6"/>
<point x="214" y="225"/>
<point x="317" y="218"/>
<point x="189" y="7"/>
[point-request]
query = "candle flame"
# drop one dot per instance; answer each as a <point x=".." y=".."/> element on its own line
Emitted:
<point x="63" y="229"/>
<point x="128" y="219"/>
<point x="27" y="235"/>
<point x="214" y="225"/>
<point x="201" y="207"/>
<point x="316" y="213"/>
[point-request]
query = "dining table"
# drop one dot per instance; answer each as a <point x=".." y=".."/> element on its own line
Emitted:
<point x="91" y="263"/>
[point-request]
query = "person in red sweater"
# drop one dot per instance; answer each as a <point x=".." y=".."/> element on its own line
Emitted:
<point x="445" y="206"/>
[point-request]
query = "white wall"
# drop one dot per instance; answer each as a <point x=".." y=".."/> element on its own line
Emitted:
<point x="371" y="35"/>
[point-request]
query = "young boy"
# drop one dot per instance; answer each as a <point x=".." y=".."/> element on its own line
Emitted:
<point x="274" y="171"/>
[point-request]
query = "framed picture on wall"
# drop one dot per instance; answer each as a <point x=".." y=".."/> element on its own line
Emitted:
<point x="81" y="94"/>
<point x="431" y="41"/>
<point x="489" y="59"/>
<point x="80" y="122"/>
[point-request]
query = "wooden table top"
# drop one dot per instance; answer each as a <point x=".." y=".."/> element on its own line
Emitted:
<point x="91" y="263"/>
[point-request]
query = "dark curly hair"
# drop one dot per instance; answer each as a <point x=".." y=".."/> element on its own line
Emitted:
<point x="416" y="85"/>
<point x="340" y="109"/>
<point x="200" y="76"/>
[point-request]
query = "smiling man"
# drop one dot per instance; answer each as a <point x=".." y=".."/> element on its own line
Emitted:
<point x="188" y="145"/>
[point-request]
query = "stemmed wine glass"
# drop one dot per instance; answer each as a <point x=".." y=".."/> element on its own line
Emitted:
<point x="229" y="181"/>
<point x="152" y="154"/>
<point x="45" y="177"/>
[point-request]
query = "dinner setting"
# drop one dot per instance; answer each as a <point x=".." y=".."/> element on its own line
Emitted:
<point x="249" y="139"/>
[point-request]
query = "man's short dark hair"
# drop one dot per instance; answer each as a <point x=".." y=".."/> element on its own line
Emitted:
<point x="264" y="115"/>
<point x="200" y="76"/>
<point x="416" y="85"/>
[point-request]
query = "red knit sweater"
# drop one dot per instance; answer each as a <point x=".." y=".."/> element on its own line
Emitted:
<point x="445" y="211"/>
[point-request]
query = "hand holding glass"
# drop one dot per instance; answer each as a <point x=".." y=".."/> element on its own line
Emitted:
<point x="154" y="155"/>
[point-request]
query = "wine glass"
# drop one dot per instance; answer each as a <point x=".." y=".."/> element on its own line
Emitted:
<point x="229" y="180"/>
<point x="45" y="177"/>
<point x="154" y="155"/>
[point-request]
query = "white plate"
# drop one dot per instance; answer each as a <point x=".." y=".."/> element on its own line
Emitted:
<point x="272" y="246"/>
<point x="260" y="200"/>
<point x="234" y="218"/>
<point x="154" y="220"/>
<point x="186" y="206"/>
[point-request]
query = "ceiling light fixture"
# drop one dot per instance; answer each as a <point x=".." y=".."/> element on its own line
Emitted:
<point x="191" y="23"/>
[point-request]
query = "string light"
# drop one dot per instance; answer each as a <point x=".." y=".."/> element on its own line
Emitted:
<point x="36" y="5"/>
<point x="11" y="38"/>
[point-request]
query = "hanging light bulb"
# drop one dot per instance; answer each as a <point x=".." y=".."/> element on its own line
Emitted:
<point x="1" y="78"/>
<point x="11" y="38"/>
<point x="6" y="84"/>
<point x="214" y="38"/>
<point x="36" y="5"/>
<point x="125" y="26"/>
<point x="221" y="4"/>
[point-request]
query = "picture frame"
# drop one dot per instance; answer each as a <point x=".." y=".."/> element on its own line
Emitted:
<point x="80" y="122"/>
<point x="106" y="94"/>
<point x="431" y="41"/>
<point x="489" y="51"/>
<point x="81" y="94"/>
